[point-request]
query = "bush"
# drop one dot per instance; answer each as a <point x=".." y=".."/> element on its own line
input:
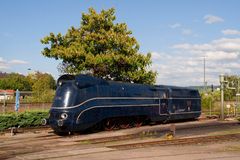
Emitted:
<point x="25" y="119"/>
<point x="206" y="100"/>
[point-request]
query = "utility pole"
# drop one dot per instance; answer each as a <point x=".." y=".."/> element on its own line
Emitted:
<point x="237" y="98"/>
<point x="4" y="103"/>
<point x="221" y="78"/>
<point x="204" y="73"/>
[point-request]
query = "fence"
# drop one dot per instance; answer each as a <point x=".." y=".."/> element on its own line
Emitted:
<point x="231" y="109"/>
<point x="10" y="107"/>
<point x="7" y="102"/>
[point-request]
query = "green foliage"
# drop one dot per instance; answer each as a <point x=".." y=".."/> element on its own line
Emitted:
<point x="46" y="96"/>
<point x="43" y="86"/>
<point x="232" y="87"/>
<point x="41" y="81"/>
<point x="25" y="119"/>
<point x="102" y="48"/>
<point x="206" y="100"/>
<point x="216" y="95"/>
<point x="15" y="81"/>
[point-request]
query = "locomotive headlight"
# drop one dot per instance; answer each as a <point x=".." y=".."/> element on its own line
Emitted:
<point x="64" y="115"/>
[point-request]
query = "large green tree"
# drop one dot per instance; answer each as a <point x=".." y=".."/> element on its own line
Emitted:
<point x="102" y="48"/>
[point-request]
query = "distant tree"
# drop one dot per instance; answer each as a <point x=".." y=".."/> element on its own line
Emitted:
<point x="15" y="81"/>
<point x="43" y="86"/>
<point x="3" y="74"/>
<point x="42" y="80"/>
<point x="231" y="88"/>
<point x="102" y="48"/>
<point x="206" y="100"/>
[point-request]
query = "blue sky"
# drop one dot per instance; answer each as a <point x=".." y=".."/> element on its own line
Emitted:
<point x="177" y="33"/>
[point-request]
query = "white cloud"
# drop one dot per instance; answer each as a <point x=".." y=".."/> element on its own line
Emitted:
<point x="184" y="64"/>
<point x="176" y="69"/>
<point x="1" y="60"/>
<point x="210" y="19"/>
<point x="176" y="25"/>
<point x="156" y="56"/>
<point x="5" y="64"/>
<point x="231" y="32"/>
<point x="186" y="31"/>
<point x="227" y="44"/>
<point x="233" y="65"/>
<point x="16" y="61"/>
<point x="193" y="47"/>
<point x="224" y="48"/>
<point x="221" y="55"/>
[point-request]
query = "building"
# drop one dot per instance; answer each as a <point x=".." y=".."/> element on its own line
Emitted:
<point x="6" y="94"/>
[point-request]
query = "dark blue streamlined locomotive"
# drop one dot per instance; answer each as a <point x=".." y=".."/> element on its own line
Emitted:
<point x="83" y="101"/>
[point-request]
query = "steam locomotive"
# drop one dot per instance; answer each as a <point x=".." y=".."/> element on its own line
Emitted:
<point x="82" y="102"/>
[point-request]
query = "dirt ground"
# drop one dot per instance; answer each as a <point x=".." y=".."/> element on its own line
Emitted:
<point x="226" y="151"/>
<point x="46" y="145"/>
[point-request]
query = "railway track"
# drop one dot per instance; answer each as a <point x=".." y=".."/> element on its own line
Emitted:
<point x="23" y="152"/>
<point x="180" y="141"/>
<point x="35" y="144"/>
<point x="154" y="132"/>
